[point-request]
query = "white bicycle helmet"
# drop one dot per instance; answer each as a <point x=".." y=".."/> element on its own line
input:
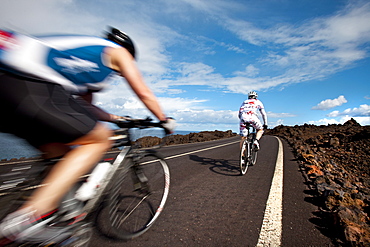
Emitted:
<point x="252" y="95"/>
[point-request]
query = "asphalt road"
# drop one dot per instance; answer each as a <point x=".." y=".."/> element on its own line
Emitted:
<point x="210" y="204"/>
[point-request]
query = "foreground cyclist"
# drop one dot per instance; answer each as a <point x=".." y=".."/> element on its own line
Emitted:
<point x="46" y="88"/>
<point x="248" y="115"/>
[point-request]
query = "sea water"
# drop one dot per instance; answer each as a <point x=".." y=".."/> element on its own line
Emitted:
<point x="14" y="147"/>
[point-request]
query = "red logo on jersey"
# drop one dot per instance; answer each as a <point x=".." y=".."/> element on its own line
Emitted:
<point x="6" y="39"/>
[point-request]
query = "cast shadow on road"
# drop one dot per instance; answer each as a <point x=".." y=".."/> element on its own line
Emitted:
<point x="220" y="166"/>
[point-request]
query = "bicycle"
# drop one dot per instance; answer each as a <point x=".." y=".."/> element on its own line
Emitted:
<point x="248" y="154"/>
<point x="126" y="202"/>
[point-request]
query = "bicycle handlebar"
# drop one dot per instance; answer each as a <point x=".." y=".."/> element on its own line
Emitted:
<point x="138" y="123"/>
<point x="122" y="135"/>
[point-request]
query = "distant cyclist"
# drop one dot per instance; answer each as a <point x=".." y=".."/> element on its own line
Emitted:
<point x="46" y="88"/>
<point x="248" y="114"/>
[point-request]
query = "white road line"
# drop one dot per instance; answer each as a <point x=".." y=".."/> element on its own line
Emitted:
<point x="271" y="229"/>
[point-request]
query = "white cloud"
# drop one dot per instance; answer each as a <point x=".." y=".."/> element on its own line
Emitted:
<point x="330" y="103"/>
<point x="360" y="114"/>
<point x="314" y="50"/>
<point x="279" y="115"/>
<point x="362" y="111"/>
<point x="278" y="122"/>
<point x="293" y="54"/>
<point x="361" y="120"/>
<point x="324" y="121"/>
<point x="119" y="99"/>
<point x="250" y="71"/>
<point x="189" y="119"/>
<point x="319" y="48"/>
<point x="48" y="16"/>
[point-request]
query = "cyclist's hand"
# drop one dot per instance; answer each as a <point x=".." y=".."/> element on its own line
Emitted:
<point x="119" y="119"/>
<point x="265" y="126"/>
<point x="169" y="125"/>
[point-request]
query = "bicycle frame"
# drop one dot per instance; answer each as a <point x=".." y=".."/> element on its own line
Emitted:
<point x="90" y="205"/>
<point x="124" y="135"/>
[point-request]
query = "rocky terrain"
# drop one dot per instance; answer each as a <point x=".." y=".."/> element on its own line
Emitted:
<point x="335" y="160"/>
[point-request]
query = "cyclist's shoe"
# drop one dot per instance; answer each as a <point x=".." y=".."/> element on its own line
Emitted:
<point x="70" y="207"/>
<point x="22" y="226"/>
<point x="256" y="145"/>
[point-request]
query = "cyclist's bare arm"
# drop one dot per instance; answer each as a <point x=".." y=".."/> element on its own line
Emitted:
<point x="100" y="113"/>
<point x="122" y="61"/>
<point x="264" y="115"/>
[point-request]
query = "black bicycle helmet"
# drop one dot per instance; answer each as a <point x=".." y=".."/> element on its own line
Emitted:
<point x="122" y="39"/>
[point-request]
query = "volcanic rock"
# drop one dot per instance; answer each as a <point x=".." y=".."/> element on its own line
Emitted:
<point x="335" y="161"/>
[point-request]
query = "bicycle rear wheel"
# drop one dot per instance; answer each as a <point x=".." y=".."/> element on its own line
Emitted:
<point x="244" y="161"/>
<point x="136" y="198"/>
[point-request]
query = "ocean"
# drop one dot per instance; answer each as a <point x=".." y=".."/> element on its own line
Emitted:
<point x="14" y="147"/>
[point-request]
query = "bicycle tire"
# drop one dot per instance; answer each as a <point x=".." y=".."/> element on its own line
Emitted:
<point x="244" y="161"/>
<point x="253" y="156"/>
<point x="253" y="151"/>
<point x="129" y="212"/>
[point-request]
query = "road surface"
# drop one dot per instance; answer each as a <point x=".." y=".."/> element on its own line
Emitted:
<point x="210" y="204"/>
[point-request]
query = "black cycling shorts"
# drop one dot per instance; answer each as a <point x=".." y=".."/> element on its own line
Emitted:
<point x="42" y="112"/>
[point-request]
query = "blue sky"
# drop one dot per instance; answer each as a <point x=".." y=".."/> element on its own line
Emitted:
<point x="308" y="60"/>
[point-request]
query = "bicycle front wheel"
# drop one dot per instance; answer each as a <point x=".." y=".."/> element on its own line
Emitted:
<point x="253" y="156"/>
<point x="137" y="197"/>
<point x="244" y="161"/>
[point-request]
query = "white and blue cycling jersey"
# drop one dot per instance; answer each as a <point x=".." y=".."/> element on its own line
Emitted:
<point x="75" y="62"/>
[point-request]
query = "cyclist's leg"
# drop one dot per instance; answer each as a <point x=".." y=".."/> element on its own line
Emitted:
<point x="66" y="172"/>
<point x="259" y="134"/>
<point x="256" y="123"/>
<point x="44" y="113"/>
<point x="243" y="132"/>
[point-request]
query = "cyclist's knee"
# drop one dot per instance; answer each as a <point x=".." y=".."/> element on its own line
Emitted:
<point x="101" y="133"/>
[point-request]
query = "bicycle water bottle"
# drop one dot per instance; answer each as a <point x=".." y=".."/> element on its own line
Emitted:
<point x="89" y="188"/>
